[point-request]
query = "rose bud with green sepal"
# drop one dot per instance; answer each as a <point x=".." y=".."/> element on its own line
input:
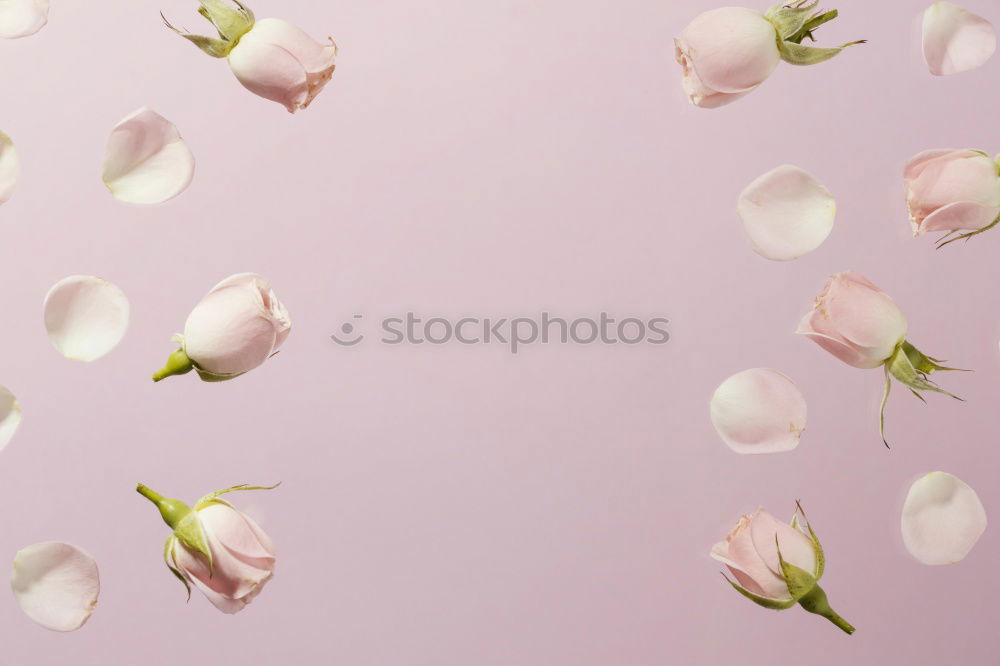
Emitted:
<point x="271" y="57"/>
<point x="237" y="326"/>
<point x="861" y="325"/>
<point x="777" y="565"/>
<point x="726" y="53"/>
<point x="215" y="547"/>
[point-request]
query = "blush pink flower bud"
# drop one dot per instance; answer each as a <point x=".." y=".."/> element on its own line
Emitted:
<point x="861" y="325"/>
<point x="952" y="191"/>
<point x="282" y="63"/>
<point x="777" y="565"/>
<point x="237" y="326"/>
<point x="271" y="57"/>
<point x="215" y="547"/>
<point x="726" y="53"/>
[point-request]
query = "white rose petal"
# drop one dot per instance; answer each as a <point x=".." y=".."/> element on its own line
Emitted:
<point x="955" y="40"/>
<point x="942" y="519"/>
<point x="10" y="416"/>
<point x="10" y="167"/>
<point x="759" y="411"/>
<point x="56" y="584"/>
<point x="20" y="18"/>
<point x="85" y="316"/>
<point x="147" y="160"/>
<point x="786" y="213"/>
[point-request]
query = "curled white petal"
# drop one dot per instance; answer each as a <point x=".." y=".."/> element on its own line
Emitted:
<point x="759" y="411"/>
<point x="10" y="416"/>
<point x="942" y="519"/>
<point x="955" y="40"/>
<point x="786" y="213"/>
<point x="85" y="316"/>
<point x="20" y="18"/>
<point x="56" y="584"/>
<point x="147" y="161"/>
<point x="10" y="167"/>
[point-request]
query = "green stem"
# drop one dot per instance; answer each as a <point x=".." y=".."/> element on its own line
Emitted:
<point x="815" y="601"/>
<point x="177" y="363"/>
<point x="173" y="511"/>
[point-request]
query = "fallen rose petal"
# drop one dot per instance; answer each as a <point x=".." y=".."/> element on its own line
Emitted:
<point x="56" y="584"/>
<point x="955" y="40"/>
<point x="786" y="213"/>
<point x="20" y="18"/>
<point x="147" y="161"/>
<point x="10" y="416"/>
<point x="942" y="519"/>
<point x="85" y="316"/>
<point x="759" y="411"/>
<point x="10" y="166"/>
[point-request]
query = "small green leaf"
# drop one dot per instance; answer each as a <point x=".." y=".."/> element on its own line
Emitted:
<point x="232" y="22"/>
<point x="191" y="533"/>
<point x="773" y="604"/>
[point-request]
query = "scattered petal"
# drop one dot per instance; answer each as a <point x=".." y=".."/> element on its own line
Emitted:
<point x="147" y="160"/>
<point x="20" y="18"/>
<point x="10" y="416"/>
<point x="942" y="519"/>
<point x="10" y="165"/>
<point x="56" y="584"/>
<point x="786" y="213"/>
<point x="85" y="316"/>
<point x="955" y="40"/>
<point x="759" y="411"/>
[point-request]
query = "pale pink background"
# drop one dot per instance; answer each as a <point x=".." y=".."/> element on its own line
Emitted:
<point x="451" y="506"/>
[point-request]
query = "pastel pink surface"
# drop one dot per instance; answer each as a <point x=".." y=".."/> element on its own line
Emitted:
<point x="457" y="505"/>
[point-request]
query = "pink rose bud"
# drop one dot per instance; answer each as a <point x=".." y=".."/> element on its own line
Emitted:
<point x="726" y="53"/>
<point x="215" y="547"/>
<point x="952" y="191"/>
<point x="271" y="58"/>
<point x="855" y="321"/>
<point x="234" y="329"/>
<point x="282" y="63"/>
<point x="861" y="325"/>
<point x="776" y="564"/>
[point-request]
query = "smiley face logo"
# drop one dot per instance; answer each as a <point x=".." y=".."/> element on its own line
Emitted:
<point x="349" y="335"/>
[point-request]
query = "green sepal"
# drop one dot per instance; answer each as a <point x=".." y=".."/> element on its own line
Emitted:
<point x="903" y="369"/>
<point x="209" y="377"/>
<point x="191" y="533"/>
<point x="177" y="363"/>
<point x="205" y="500"/>
<point x="231" y="22"/>
<point x="797" y="54"/>
<point x="217" y="48"/>
<point x="885" y="400"/>
<point x="817" y="547"/>
<point x="789" y="20"/>
<point x="799" y="581"/>
<point x="949" y="237"/>
<point x="923" y="363"/>
<point x="773" y="604"/>
<point x="168" y="549"/>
